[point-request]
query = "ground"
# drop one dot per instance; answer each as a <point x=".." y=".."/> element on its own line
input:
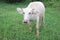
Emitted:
<point x="12" y="28"/>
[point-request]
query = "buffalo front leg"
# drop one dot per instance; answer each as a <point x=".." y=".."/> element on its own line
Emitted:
<point x="37" y="27"/>
<point x="30" y="27"/>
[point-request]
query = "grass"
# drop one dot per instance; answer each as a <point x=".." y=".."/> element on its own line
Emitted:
<point x="11" y="27"/>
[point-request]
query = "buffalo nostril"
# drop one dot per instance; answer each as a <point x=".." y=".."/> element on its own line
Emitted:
<point x="25" y="22"/>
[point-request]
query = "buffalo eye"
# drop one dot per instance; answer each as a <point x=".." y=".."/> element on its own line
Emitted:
<point x="29" y="13"/>
<point x="23" y="13"/>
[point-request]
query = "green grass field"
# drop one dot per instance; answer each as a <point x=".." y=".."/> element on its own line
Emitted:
<point x="12" y="28"/>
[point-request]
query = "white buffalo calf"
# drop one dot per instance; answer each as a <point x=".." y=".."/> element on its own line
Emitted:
<point x="34" y="11"/>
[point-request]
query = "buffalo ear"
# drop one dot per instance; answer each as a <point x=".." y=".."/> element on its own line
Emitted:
<point x="20" y="10"/>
